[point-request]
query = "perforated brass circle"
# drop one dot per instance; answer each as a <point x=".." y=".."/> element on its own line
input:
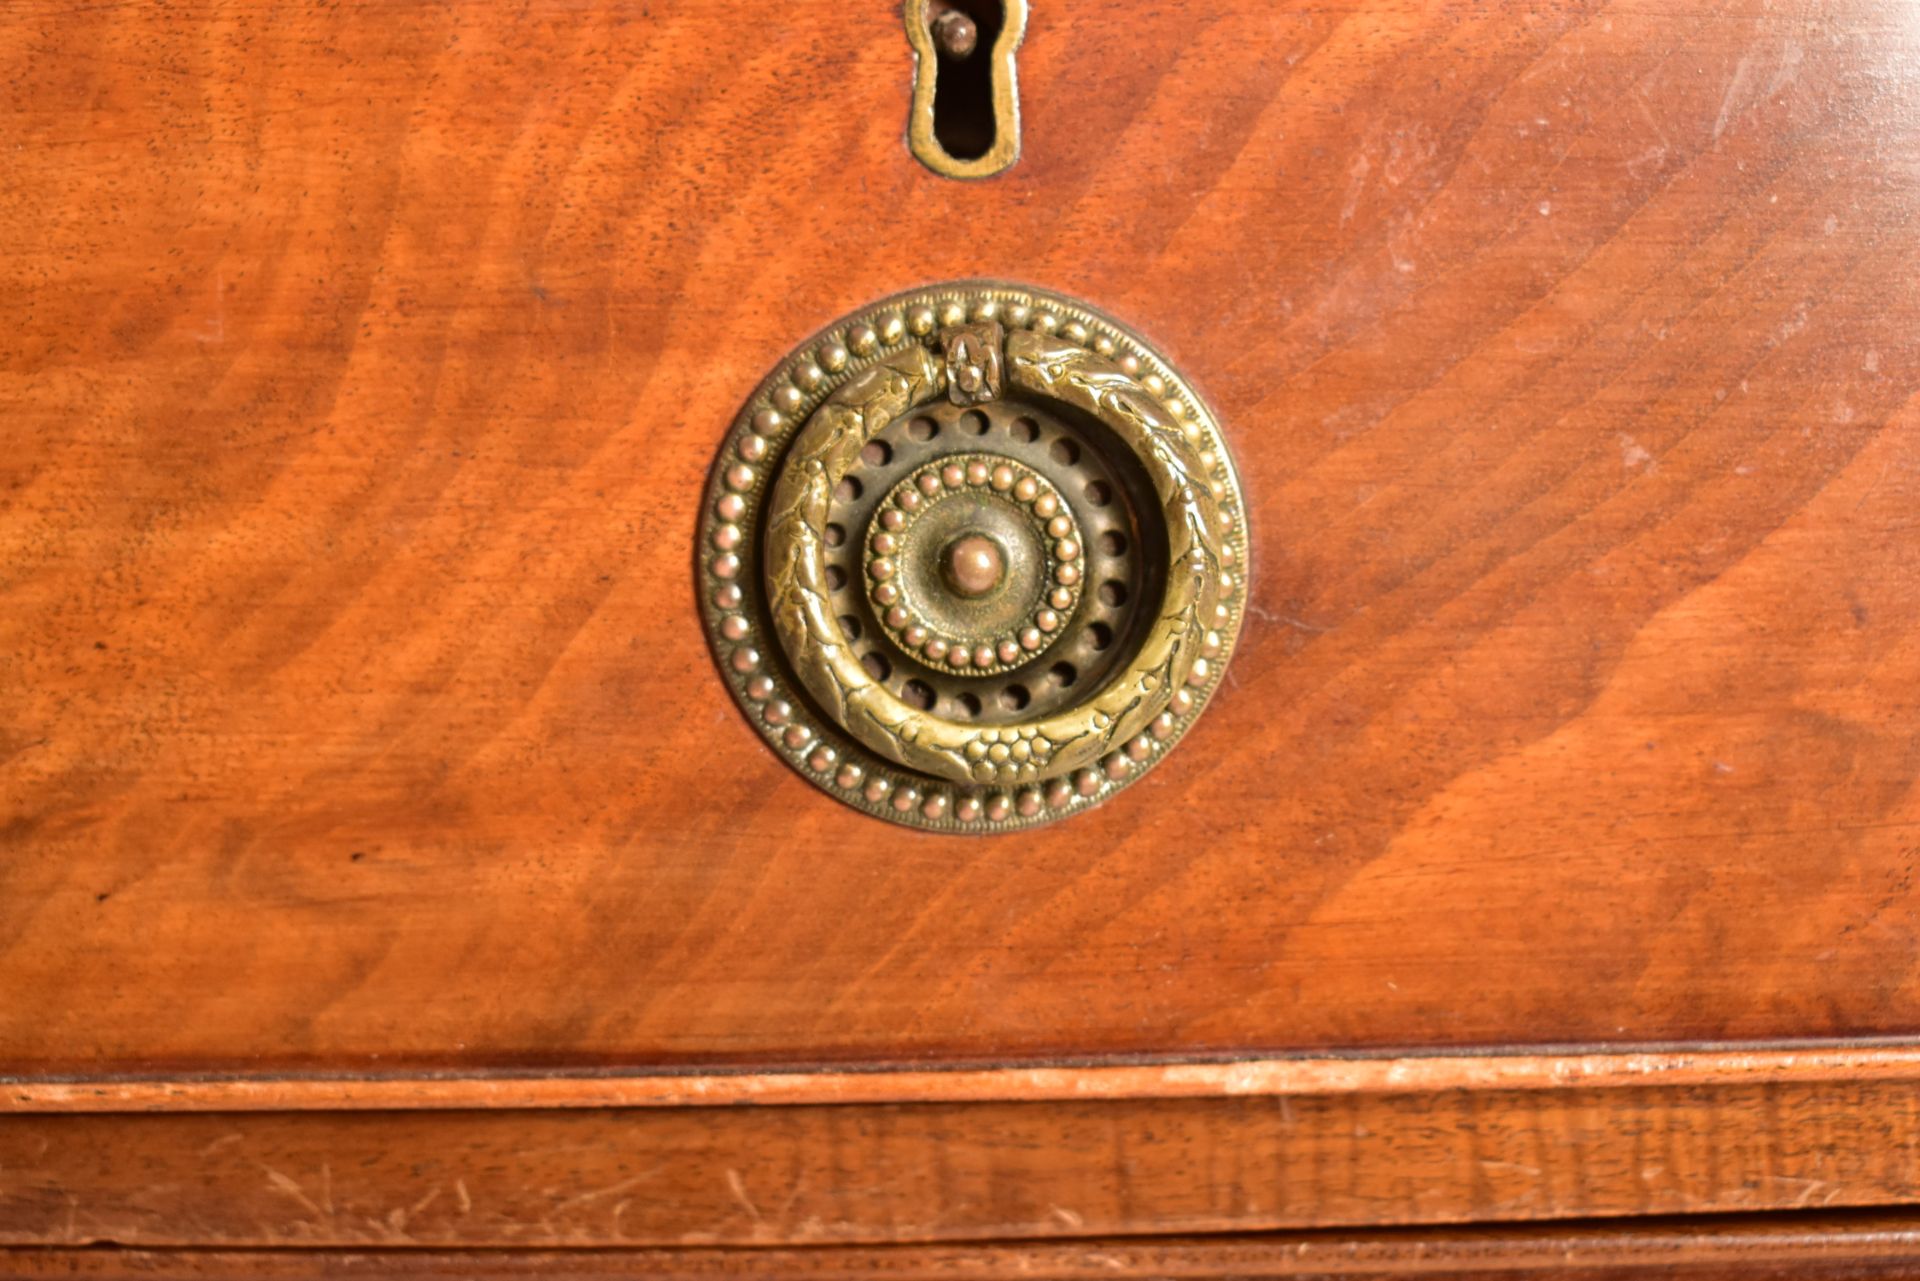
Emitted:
<point x="974" y="558"/>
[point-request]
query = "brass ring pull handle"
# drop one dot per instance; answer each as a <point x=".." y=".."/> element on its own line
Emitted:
<point x="1000" y="560"/>
<point x="829" y="447"/>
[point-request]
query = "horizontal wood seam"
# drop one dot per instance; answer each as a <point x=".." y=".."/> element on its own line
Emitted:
<point x="1778" y="1239"/>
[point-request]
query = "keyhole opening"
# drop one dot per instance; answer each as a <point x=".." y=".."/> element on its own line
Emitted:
<point x="963" y="110"/>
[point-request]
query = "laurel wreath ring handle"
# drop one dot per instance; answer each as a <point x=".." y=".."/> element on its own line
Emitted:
<point x="829" y="446"/>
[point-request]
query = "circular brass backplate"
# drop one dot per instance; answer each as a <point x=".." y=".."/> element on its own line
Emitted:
<point x="973" y="558"/>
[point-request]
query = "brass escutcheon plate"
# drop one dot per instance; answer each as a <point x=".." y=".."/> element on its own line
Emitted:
<point x="973" y="558"/>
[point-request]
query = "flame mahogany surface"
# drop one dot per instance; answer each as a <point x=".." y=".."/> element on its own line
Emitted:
<point x="385" y="873"/>
<point x="364" y="366"/>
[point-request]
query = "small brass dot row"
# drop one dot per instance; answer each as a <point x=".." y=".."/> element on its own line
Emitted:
<point x="920" y="492"/>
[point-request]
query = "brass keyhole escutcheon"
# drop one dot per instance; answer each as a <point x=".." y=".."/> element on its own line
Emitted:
<point x="964" y="121"/>
<point x="974" y="558"/>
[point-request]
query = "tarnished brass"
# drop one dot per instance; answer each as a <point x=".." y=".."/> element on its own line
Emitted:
<point x="974" y="354"/>
<point x="936" y="519"/>
<point x="812" y="636"/>
<point x="942" y="36"/>
<point x="956" y="34"/>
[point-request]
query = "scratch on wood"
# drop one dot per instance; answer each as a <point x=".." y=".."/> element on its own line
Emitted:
<point x="287" y="1185"/>
<point x="738" y="1186"/>
<point x="624" y="1185"/>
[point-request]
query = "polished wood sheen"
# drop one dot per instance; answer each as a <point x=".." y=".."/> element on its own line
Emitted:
<point x="364" y="365"/>
<point x="1233" y="1078"/>
<point x="385" y="872"/>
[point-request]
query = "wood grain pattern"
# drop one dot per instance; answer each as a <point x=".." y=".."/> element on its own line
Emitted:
<point x="950" y="1172"/>
<point x="1854" y="1247"/>
<point x="364" y="363"/>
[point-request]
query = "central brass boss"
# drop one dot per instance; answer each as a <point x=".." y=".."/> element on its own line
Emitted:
<point x="974" y="558"/>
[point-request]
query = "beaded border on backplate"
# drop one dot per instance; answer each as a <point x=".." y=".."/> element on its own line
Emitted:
<point x="1034" y="635"/>
<point x="728" y="560"/>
